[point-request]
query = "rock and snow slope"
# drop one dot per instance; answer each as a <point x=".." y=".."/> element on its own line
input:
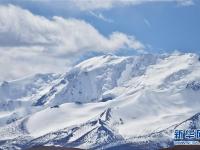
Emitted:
<point x="103" y="102"/>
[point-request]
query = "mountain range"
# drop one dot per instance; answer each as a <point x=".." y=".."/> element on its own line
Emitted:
<point x="105" y="102"/>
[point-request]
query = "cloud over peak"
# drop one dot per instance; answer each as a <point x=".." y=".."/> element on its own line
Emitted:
<point x="32" y="37"/>
<point x="19" y="27"/>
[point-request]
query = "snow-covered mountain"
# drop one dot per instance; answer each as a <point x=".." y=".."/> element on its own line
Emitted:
<point x="106" y="102"/>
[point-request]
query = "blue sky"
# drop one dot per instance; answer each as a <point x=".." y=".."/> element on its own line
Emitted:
<point x="30" y="30"/>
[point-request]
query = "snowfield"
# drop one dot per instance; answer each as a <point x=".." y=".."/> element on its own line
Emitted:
<point x="103" y="103"/>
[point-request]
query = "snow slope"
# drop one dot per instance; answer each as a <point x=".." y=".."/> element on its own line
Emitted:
<point x="16" y="97"/>
<point x="104" y="102"/>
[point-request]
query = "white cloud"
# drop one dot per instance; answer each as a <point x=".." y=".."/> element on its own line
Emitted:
<point x="16" y="62"/>
<point x="30" y="43"/>
<point x="108" y="4"/>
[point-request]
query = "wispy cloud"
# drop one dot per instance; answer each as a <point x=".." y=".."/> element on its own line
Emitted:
<point x="185" y="2"/>
<point x="146" y="21"/>
<point x="108" y="4"/>
<point x="101" y="17"/>
<point x="30" y="41"/>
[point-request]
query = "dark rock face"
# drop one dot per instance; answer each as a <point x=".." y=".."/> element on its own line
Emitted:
<point x="195" y="85"/>
<point x="55" y="106"/>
